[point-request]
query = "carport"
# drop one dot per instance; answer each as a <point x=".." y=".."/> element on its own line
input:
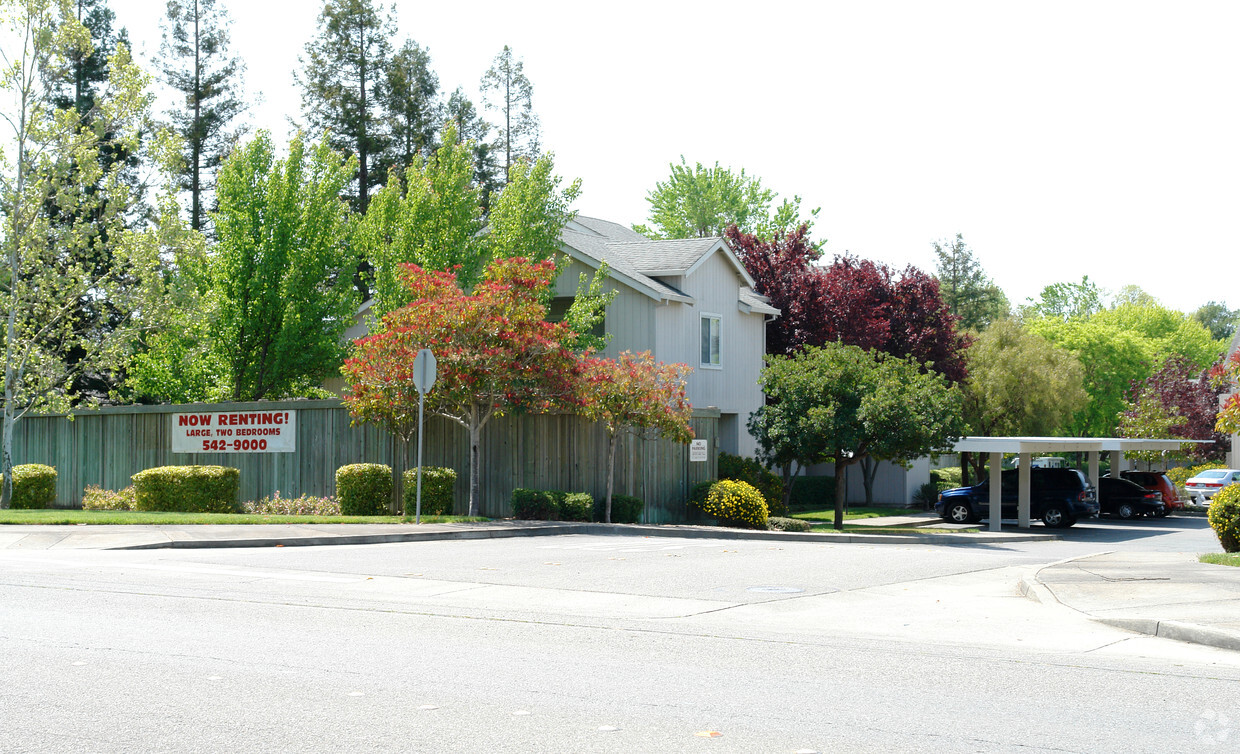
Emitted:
<point x="1025" y="448"/>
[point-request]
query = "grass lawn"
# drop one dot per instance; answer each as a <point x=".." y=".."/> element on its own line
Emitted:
<point x="1222" y="558"/>
<point x="855" y="511"/>
<point x="69" y="516"/>
<point x="860" y="529"/>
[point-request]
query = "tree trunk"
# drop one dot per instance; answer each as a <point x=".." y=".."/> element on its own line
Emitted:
<point x="6" y="454"/>
<point x="964" y="469"/>
<point x="869" y="470"/>
<point x="612" y="437"/>
<point x="788" y="477"/>
<point x="475" y="431"/>
<point x="841" y="490"/>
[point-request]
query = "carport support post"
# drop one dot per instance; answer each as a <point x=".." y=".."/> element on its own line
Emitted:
<point x="1095" y="467"/>
<point x="996" y="492"/>
<point x="1117" y="463"/>
<point x="1026" y="477"/>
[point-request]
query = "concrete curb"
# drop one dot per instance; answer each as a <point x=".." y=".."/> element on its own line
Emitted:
<point x="688" y="532"/>
<point x="1031" y="587"/>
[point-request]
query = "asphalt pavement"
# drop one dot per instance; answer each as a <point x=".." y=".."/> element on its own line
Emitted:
<point x="1170" y="595"/>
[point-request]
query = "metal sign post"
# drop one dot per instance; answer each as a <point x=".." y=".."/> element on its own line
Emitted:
<point x="425" y="369"/>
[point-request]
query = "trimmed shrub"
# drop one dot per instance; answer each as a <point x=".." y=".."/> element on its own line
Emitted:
<point x="736" y="504"/>
<point x="95" y="498"/>
<point x="926" y="496"/>
<point x="776" y="523"/>
<point x="304" y="505"/>
<point x="187" y="489"/>
<point x="812" y="493"/>
<point x="574" y="506"/>
<point x="533" y="505"/>
<point x="34" y="486"/>
<point x="947" y="478"/>
<point x="625" y="509"/>
<point x="753" y="472"/>
<point x="438" y="491"/>
<point x="1224" y="517"/>
<point x="364" y="489"/>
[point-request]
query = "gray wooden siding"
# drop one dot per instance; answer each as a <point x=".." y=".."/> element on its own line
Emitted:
<point x="630" y="317"/>
<point x="541" y="451"/>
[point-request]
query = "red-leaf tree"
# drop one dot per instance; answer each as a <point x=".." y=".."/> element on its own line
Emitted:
<point x="853" y="301"/>
<point x="1225" y="376"/>
<point x="633" y="393"/>
<point x="1180" y="391"/>
<point x="495" y="353"/>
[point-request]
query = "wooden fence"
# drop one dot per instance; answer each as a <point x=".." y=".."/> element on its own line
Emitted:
<point x="540" y="451"/>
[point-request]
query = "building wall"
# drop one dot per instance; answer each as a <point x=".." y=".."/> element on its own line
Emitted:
<point x="733" y="387"/>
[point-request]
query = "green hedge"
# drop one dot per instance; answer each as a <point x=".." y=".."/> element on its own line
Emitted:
<point x="96" y="498"/>
<point x="776" y="523"/>
<point x="625" y="509"/>
<point x="34" y="486"/>
<point x="574" y="506"/>
<point x="533" y="505"/>
<point x="754" y="473"/>
<point x="364" y="489"/>
<point x="1225" y="517"/>
<point x="812" y="493"/>
<point x="187" y="489"/>
<point x="438" y="491"/>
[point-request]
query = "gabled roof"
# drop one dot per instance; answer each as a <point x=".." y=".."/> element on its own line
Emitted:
<point x="642" y="260"/>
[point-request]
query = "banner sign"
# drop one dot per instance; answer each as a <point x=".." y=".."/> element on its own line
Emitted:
<point x="235" y="432"/>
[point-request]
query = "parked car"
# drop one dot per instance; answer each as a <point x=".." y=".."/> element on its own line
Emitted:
<point x="1125" y="499"/>
<point x="1059" y="497"/>
<point x="1158" y="482"/>
<point x="1203" y="486"/>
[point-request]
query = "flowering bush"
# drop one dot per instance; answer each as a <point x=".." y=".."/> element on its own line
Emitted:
<point x="304" y="505"/>
<point x="736" y="504"/>
<point x="1225" y="517"/>
<point x="95" y="498"/>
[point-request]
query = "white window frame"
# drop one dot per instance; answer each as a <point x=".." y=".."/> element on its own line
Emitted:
<point x="718" y="319"/>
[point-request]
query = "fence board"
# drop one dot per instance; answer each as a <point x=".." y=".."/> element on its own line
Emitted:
<point x="539" y="451"/>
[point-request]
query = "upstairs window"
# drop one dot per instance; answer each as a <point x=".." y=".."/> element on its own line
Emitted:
<point x="710" y="340"/>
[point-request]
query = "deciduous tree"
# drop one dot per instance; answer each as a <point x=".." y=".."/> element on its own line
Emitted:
<point x="1066" y="301"/>
<point x="1218" y="319"/>
<point x="1225" y="377"/>
<point x="1177" y="400"/>
<point x="700" y="202"/>
<point x="53" y="155"/>
<point x="496" y="354"/>
<point x="842" y="403"/>
<point x="276" y="286"/>
<point x="1019" y="385"/>
<point x="635" y="394"/>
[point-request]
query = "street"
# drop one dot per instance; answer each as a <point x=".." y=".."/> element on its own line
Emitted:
<point x="595" y="644"/>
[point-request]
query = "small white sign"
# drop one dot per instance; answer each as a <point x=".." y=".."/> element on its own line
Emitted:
<point x="235" y="432"/>
<point x="697" y="450"/>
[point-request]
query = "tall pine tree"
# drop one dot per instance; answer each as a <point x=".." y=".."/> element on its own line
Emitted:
<point x="470" y="126"/>
<point x="506" y="89"/>
<point x="411" y="107"/>
<point x="341" y="77"/>
<point x="197" y="64"/>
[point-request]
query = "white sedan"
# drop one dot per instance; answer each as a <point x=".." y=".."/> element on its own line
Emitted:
<point x="1203" y="486"/>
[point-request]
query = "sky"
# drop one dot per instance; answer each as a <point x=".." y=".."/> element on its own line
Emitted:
<point x="1062" y="139"/>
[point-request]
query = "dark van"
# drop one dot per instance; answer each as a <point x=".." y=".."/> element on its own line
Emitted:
<point x="1059" y="497"/>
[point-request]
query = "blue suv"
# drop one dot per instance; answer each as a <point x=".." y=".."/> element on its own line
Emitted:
<point x="1056" y="496"/>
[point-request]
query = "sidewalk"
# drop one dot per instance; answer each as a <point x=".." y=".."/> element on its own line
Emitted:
<point x="1161" y="594"/>
<point x="143" y="537"/>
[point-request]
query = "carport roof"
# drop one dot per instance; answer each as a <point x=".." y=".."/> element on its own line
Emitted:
<point x="1064" y="444"/>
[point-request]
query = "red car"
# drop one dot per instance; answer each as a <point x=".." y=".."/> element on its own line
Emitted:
<point x="1159" y="482"/>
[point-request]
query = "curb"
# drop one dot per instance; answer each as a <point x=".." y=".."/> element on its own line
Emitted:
<point x="684" y="532"/>
<point x="1031" y="587"/>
